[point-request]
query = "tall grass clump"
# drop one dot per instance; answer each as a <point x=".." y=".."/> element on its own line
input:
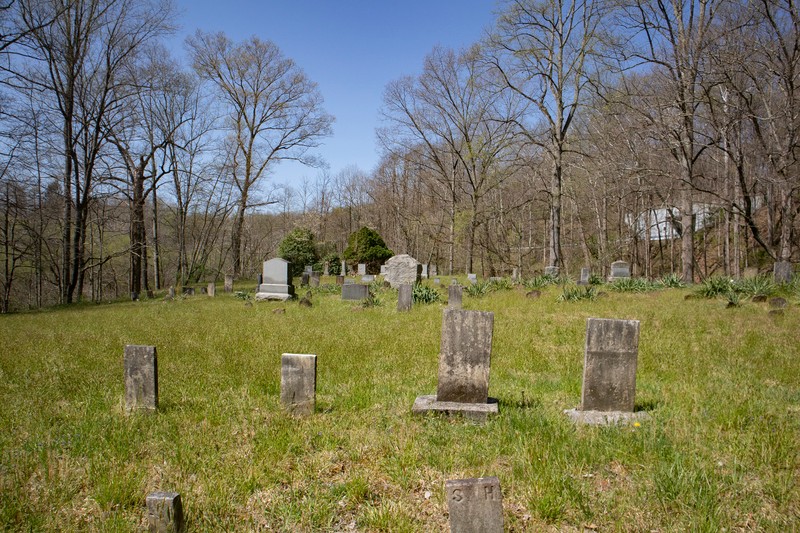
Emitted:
<point x="759" y="286"/>
<point x="479" y="289"/>
<point x="573" y="293"/>
<point x="540" y="282"/>
<point x="672" y="281"/>
<point x="716" y="286"/>
<point x="422" y="294"/>
<point x="633" y="285"/>
<point x="501" y="284"/>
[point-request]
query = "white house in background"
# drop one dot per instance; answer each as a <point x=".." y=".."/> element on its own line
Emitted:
<point x="664" y="221"/>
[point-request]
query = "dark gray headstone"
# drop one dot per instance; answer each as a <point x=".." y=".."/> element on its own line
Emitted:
<point x="228" y="283"/>
<point x="304" y="279"/>
<point x="141" y="377"/>
<point x="455" y="296"/>
<point x="609" y="371"/>
<point x="354" y="291"/>
<point x="465" y="356"/>
<point x="212" y="289"/>
<point x="188" y="291"/>
<point x="134" y="296"/>
<point x="298" y="383"/>
<point x="164" y="512"/>
<point x="782" y="272"/>
<point x="404" y="298"/>
<point x="475" y="505"/>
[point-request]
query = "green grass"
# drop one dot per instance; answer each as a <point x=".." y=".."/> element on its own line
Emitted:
<point x="721" y="451"/>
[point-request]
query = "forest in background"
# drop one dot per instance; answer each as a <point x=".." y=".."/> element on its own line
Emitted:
<point x="576" y="133"/>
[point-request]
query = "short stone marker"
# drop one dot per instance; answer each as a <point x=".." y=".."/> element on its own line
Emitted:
<point x="277" y="283"/>
<point x="171" y="292"/>
<point x="424" y="270"/>
<point x="314" y="279"/>
<point x="228" y="283"/>
<point x="609" y="373"/>
<point x="551" y="271"/>
<point x="362" y="269"/>
<point x="355" y="291"/>
<point x="585" y="273"/>
<point x="515" y="274"/>
<point x="164" y="512"/>
<point x="782" y="272"/>
<point x="309" y="269"/>
<point x="369" y="278"/>
<point x="298" y="383"/>
<point x="472" y="278"/>
<point x="619" y="270"/>
<point x="326" y="269"/>
<point x="344" y="268"/>
<point x="348" y="281"/>
<point x="464" y="359"/>
<point x="475" y="505"/>
<point x="437" y="281"/>
<point x="212" y="289"/>
<point x="405" y="298"/>
<point x="304" y="277"/>
<point x="141" y="377"/>
<point x="455" y="294"/>
<point x="340" y="280"/>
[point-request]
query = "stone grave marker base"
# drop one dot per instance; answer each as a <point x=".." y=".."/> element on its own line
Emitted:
<point x="605" y="418"/>
<point x="473" y="411"/>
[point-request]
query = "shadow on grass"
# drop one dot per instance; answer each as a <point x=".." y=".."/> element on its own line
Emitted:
<point x="520" y="402"/>
<point x="646" y="405"/>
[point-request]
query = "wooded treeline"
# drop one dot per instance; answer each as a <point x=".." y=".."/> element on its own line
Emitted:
<point x="574" y="134"/>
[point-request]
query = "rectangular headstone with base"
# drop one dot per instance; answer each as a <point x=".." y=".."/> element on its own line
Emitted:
<point x="165" y="512"/>
<point x="299" y="383"/>
<point x="277" y="282"/>
<point x="475" y="505"/>
<point x="141" y="377"/>
<point x="355" y="291"/>
<point x="404" y="298"/>
<point x="313" y="279"/>
<point x="454" y="296"/>
<point x="362" y="269"/>
<point x="620" y="270"/>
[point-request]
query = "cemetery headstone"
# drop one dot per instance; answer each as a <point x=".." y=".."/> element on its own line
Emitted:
<point x="228" y="283"/>
<point x="475" y="505"/>
<point x="203" y="290"/>
<point x="304" y="277"/>
<point x="782" y="272"/>
<point x="340" y="280"/>
<point x="585" y="273"/>
<point x="437" y="281"/>
<point x="326" y="271"/>
<point x="403" y="269"/>
<point x="472" y="278"/>
<point x="424" y="270"/>
<point x="188" y="291"/>
<point x="314" y="279"/>
<point x="455" y="295"/>
<point x="344" y="268"/>
<point x="362" y="269"/>
<point x="368" y="278"/>
<point x="404" y="298"/>
<point x="212" y="289"/>
<point x="433" y="270"/>
<point x="609" y="372"/>
<point x="349" y="281"/>
<point x="309" y="269"/>
<point x="134" y="296"/>
<point x="141" y="377"/>
<point x="277" y="282"/>
<point x="299" y="383"/>
<point x="383" y="270"/>
<point x="464" y="358"/>
<point x="515" y="274"/>
<point x="354" y="291"/>
<point x="619" y="270"/>
<point x="551" y="271"/>
<point x="164" y="512"/>
<point x="171" y="292"/>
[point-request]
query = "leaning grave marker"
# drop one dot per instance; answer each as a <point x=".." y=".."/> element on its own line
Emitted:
<point x="609" y="373"/>
<point x="141" y="377"/>
<point x="464" y="359"/>
<point x="475" y="505"/>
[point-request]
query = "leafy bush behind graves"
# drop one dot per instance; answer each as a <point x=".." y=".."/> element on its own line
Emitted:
<point x="299" y="249"/>
<point x="368" y="247"/>
<point x="758" y="286"/>
<point x="422" y="294"/>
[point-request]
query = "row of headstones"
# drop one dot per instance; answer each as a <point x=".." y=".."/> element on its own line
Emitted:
<point x="474" y="505"/>
<point x="210" y="290"/>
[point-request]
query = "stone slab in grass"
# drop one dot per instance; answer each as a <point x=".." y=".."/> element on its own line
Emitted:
<point x="164" y="512"/>
<point x="299" y="383"/>
<point x="475" y="505"/>
<point x="478" y="412"/>
<point x="141" y="378"/>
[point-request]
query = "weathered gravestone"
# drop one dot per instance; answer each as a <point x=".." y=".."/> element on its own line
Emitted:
<point x="782" y="272"/>
<point x="212" y="289"/>
<point x="609" y="373"/>
<point x="472" y="278"/>
<point x="164" y="512"/>
<point x="433" y="270"/>
<point x="455" y="295"/>
<point x="619" y="270"/>
<point x="551" y="271"/>
<point x="475" y="505"/>
<point x="515" y="274"/>
<point x="464" y="360"/>
<point x="369" y="278"/>
<point x="355" y="291"/>
<point x="277" y="282"/>
<point x="585" y="273"/>
<point x="362" y="269"/>
<point x="188" y="291"/>
<point x="134" y="296"/>
<point x="228" y="283"/>
<point x="344" y="268"/>
<point x="340" y="280"/>
<point x="424" y="272"/>
<point x="171" y="292"/>
<point x="326" y="269"/>
<point x="298" y="383"/>
<point x="309" y="269"/>
<point x="314" y="279"/>
<point x="383" y="270"/>
<point x="437" y="281"/>
<point x="404" y="298"/>
<point x="304" y="277"/>
<point x="141" y="377"/>
<point x="403" y="269"/>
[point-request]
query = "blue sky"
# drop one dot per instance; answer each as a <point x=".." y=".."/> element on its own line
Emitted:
<point x="351" y="49"/>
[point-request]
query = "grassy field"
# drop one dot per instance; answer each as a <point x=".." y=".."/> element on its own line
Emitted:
<point x="721" y="452"/>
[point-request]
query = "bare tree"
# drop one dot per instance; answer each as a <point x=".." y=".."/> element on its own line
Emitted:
<point x="274" y="112"/>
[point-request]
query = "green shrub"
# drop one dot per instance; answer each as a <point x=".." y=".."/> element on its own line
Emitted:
<point x="574" y="294"/>
<point x="596" y="279"/>
<point x="367" y="246"/>
<point x="633" y="285"/>
<point x="298" y="248"/>
<point x="501" y="284"/>
<point x="758" y="286"/>
<point x="478" y="289"/>
<point x="243" y="295"/>
<point x="672" y="281"/>
<point x="422" y="294"/>
<point x="538" y="282"/>
<point x="715" y="287"/>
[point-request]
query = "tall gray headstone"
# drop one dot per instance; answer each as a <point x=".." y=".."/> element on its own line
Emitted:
<point x="212" y="289"/>
<point x="362" y="269"/>
<point x="326" y="270"/>
<point x="515" y="274"/>
<point x="299" y="383"/>
<point x="782" y="272"/>
<point x="228" y="283"/>
<point x="344" y="268"/>
<point x="402" y="269"/>
<point x="277" y="282"/>
<point x="425" y="270"/>
<point x="475" y="505"/>
<point x="585" y="273"/>
<point x="455" y="296"/>
<point x="141" y="377"/>
<point x="355" y="291"/>
<point x="164" y="512"/>
<point x="465" y="356"/>
<point x="404" y="298"/>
